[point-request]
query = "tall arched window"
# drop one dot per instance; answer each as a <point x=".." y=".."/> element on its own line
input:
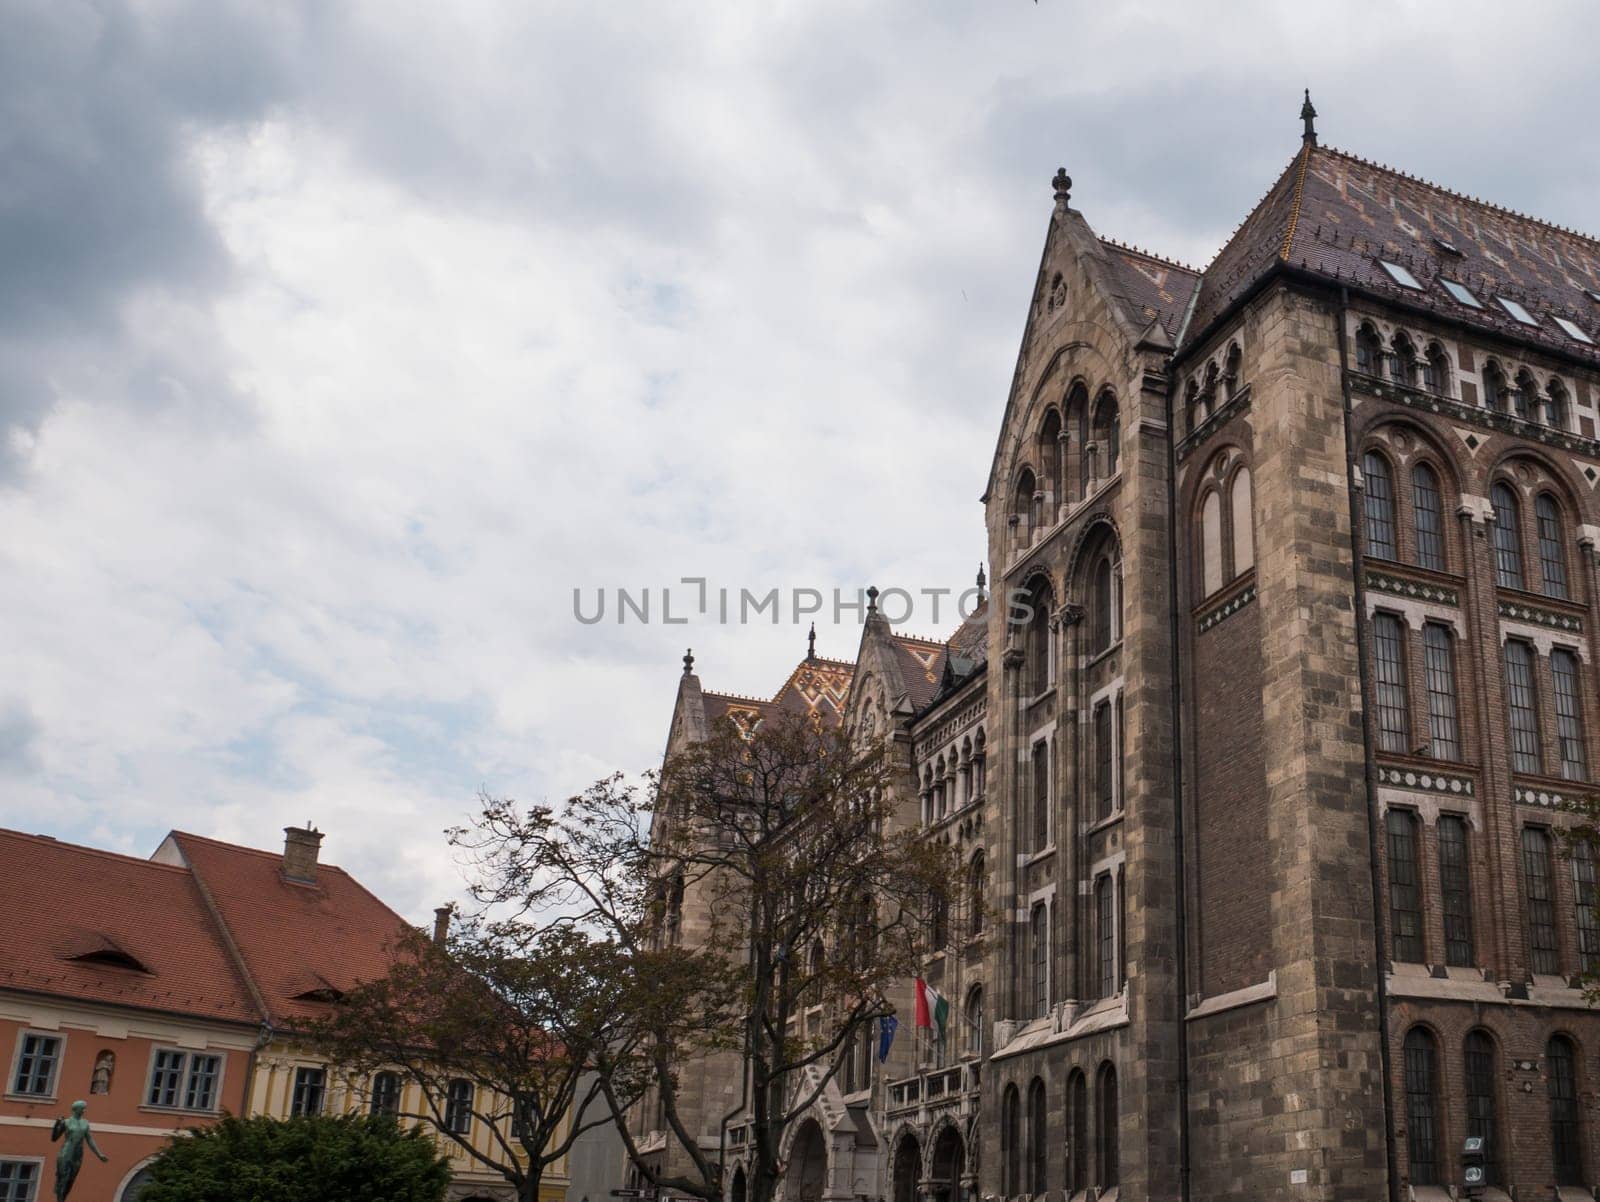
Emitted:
<point x="978" y="886"/>
<point x="1479" y="1082"/>
<point x="1211" y="542"/>
<point x="1039" y="938"/>
<point x="1562" y="1082"/>
<point x="1427" y="508"/>
<point x="1107" y="433"/>
<point x="1422" y="1088"/>
<point x="1107" y="1161"/>
<point x="1050" y="458"/>
<point x="1494" y="387"/>
<point x="1436" y="371"/>
<point x="1506" y="537"/>
<point x="1105" y="933"/>
<point x="1038" y="1143"/>
<point x="1555" y="405"/>
<point x="1244" y="541"/>
<point x="1042" y="598"/>
<point x="1023" y="507"/>
<point x="1525" y="397"/>
<point x="1369" y="351"/>
<point x="1104" y="601"/>
<point x="1552" y="545"/>
<point x="1075" y="421"/>
<point x="1077" y="1132"/>
<point x="975" y="1021"/>
<point x="1379" y="506"/>
<point x="1405" y="905"/>
<point x="1041" y="795"/>
<point x="1010" y="1141"/>
<point x="1404" y="363"/>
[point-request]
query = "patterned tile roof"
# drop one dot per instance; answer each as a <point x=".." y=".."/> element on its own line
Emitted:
<point x="1337" y="215"/>
<point x="816" y="685"/>
<point x="1151" y="288"/>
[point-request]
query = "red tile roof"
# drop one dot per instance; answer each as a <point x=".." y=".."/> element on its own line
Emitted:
<point x="1151" y="288"/>
<point x="295" y="939"/>
<point x="62" y="902"/>
<point x="816" y="685"/>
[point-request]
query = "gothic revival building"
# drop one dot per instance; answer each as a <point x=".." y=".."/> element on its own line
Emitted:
<point x="1265" y="795"/>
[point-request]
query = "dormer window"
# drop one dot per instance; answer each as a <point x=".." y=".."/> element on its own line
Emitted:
<point x="1462" y="294"/>
<point x="110" y="957"/>
<point x="1447" y="246"/>
<point x="1401" y="275"/>
<point x="1574" y="331"/>
<point x="1518" y="313"/>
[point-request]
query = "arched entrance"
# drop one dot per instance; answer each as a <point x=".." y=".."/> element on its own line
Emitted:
<point x="949" y="1162"/>
<point x="808" y="1165"/>
<point x="907" y="1169"/>
<point x="738" y="1192"/>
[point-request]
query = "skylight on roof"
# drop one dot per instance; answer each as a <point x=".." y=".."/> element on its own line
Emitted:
<point x="1517" y="311"/>
<point x="1400" y="275"/>
<point x="1574" y="331"/>
<point x="1592" y="294"/>
<point x="1447" y="246"/>
<point x="1461" y="293"/>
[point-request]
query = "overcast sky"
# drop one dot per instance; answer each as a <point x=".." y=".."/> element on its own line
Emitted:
<point x="340" y="342"/>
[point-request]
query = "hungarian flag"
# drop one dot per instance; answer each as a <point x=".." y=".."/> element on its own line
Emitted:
<point x="932" y="1008"/>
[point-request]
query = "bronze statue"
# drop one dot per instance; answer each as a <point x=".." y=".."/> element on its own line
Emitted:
<point x="70" y="1159"/>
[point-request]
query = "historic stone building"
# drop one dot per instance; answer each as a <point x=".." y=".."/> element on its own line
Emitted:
<point x="1264" y="795"/>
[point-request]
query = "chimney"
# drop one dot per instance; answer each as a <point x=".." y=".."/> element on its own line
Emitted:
<point x="300" y="846"/>
<point x="441" y="923"/>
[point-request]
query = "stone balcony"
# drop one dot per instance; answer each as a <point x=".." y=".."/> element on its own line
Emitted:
<point x="933" y="1092"/>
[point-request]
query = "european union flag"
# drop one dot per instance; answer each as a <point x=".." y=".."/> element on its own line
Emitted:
<point x="886" y="1029"/>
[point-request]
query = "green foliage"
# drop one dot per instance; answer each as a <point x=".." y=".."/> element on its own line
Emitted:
<point x="348" y="1158"/>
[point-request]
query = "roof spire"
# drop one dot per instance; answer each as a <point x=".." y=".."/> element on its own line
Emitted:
<point x="1308" y="114"/>
<point x="982" y="580"/>
<point x="688" y="661"/>
<point x="1062" y="183"/>
<point x="811" y="642"/>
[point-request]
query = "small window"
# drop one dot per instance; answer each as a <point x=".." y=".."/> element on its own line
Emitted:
<point x="1574" y="332"/>
<point x="458" y="1107"/>
<point x="309" y="1086"/>
<point x="1516" y="310"/>
<point x="38" y="1058"/>
<point x="386" y="1093"/>
<point x="1462" y="294"/>
<point x="1401" y="275"/>
<point x="19" y="1179"/>
<point x="1592" y="294"/>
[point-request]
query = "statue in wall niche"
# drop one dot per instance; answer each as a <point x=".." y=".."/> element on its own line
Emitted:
<point x="100" y="1078"/>
<point x="69" y="1160"/>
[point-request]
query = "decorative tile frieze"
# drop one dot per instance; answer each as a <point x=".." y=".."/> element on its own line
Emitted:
<point x="1228" y="608"/>
<point x="1517" y="611"/>
<point x="1427" y="780"/>
<point x="1399" y="586"/>
<point x="1505" y="423"/>
<point x="1550" y="799"/>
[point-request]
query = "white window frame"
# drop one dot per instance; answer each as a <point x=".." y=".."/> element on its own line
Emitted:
<point x="185" y="1077"/>
<point x="55" y="1068"/>
<point x="36" y="1161"/>
<point x="1517" y="310"/>
<point x="294" y="1079"/>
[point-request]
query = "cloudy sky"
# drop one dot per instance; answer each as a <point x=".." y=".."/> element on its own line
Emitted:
<point x="339" y="343"/>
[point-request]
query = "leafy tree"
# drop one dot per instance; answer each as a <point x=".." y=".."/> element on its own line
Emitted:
<point x="306" y="1159"/>
<point x="814" y="893"/>
<point x="503" y="1012"/>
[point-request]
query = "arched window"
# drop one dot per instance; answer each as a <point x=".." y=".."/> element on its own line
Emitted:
<point x="1230" y="371"/>
<point x="1022" y="505"/>
<point x="1404" y="363"/>
<point x="975" y="1021"/>
<point x="1107" y="434"/>
<point x="386" y="1093"/>
<point x="1405" y="904"/>
<point x="1525" y="399"/>
<point x="1038" y="1118"/>
<point x="1039" y="938"/>
<point x="1050" y="455"/>
<point x="1506" y="537"/>
<point x="1244" y="542"/>
<point x="1107" y="1158"/>
<point x="458" y="1107"/>
<point x="1479" y="1082"/>
<point x="1494" y="387"/>
<point x="1077" y="1132"/>
<point x="1422" y="1087"/>
<point x="1211" y="542"/>
<point x="1104" y="630"/>
<point x="978" y="885"/>
<point x="1075" y="421"/>
<point x="1369" y="351"/>
<point x="1010" y="1151"/>
<point x="1555" y="405"/>
<point x="1436" y="371"/>
<point x="1562" y="1082"/>
<point x="1379" y="506"/>
<point x="1427" y="508"/>
<point x="1552" y="548"/>
<point x="1569" y="714"/>
<point x="1042" y="598"/>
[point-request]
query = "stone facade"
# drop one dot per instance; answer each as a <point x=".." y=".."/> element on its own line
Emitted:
<point x="1258" y="750"/>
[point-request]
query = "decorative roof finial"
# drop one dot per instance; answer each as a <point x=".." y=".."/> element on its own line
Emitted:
<point x="982" y="580"/>
<point x="1309" y="116"/>
<point x="1062" y="183"/>
<point x="872" y="598"/>
<point x="688" y="661"/>
<point x="811" y="642"/>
